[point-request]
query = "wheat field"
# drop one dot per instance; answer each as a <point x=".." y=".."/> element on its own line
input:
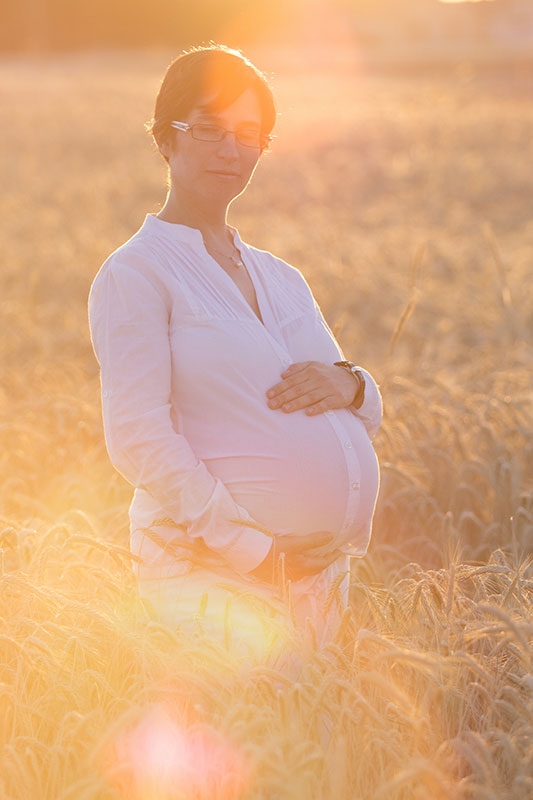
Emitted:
<point x="405" y="198"/>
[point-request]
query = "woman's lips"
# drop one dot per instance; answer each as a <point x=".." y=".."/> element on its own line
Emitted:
<point x="224" y="175"/>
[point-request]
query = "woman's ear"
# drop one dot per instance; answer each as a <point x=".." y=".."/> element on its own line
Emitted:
<point x="165" y="147"/>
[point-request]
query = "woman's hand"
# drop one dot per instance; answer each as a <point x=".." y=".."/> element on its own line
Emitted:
<point x="304" y="555"/>
<point x="314" y="386"/>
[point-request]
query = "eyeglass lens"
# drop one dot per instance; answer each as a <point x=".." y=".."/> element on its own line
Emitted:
<point x="215" y="133"/>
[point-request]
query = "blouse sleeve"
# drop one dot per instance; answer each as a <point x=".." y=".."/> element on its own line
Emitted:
<point x="371" y="409"/>
<point x="129" y="326"/>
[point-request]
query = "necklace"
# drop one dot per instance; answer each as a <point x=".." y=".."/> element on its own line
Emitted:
<point x="236" y="261"/>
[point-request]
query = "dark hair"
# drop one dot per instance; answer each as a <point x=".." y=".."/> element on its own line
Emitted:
<point x="204" y="70"/>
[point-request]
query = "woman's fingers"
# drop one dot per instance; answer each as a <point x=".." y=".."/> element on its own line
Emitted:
<point x="305" y="564"/>
<point x="295" y="544"/>
<point x="324" y="559"/>
<point x="303" y="555"/>
<point x="298" y="565"/>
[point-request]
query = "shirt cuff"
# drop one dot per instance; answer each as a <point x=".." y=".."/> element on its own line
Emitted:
<point x="371" y="410"/>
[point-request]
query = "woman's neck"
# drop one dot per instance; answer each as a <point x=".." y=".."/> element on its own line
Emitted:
<point x="212" y="224"/>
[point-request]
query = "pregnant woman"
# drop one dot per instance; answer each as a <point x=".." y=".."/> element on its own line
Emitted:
<point x="248" y="446"/>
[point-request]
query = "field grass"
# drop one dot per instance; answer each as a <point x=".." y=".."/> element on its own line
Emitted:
<point x="406" y="201"/>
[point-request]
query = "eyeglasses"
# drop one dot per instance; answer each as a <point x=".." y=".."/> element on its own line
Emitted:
<point x="215" y="133"/>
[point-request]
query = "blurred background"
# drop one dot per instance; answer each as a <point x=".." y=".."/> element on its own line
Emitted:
<point x="418" y="28"/>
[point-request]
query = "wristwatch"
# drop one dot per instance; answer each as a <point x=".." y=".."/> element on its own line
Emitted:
<point x="351" y="367"/>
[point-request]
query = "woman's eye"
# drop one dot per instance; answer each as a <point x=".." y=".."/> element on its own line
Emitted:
<point x="250" y="135"/>
<point x="209" y="132"/>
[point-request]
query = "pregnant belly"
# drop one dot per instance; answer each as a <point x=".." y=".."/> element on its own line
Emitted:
<point x="305" y="474"/>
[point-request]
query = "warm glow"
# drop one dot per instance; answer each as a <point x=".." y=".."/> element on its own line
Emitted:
<point x="398" y="185"/>
<point x="165" y="753"/>
<point x="241" y="621"/>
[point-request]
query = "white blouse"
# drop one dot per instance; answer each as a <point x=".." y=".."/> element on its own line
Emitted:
<point x="185" y="366"/>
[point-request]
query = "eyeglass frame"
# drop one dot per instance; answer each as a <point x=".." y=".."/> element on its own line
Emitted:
<point x="184" y="126"/>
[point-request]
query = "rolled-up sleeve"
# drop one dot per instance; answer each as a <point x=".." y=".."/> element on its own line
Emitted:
<point x="129" y="327"/>
<point x="370" y="411"/>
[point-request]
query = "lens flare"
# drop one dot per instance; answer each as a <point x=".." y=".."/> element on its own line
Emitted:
<point x="168" y="755"/>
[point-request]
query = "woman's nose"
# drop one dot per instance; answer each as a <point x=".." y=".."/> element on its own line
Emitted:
<point x="229" y="144"/>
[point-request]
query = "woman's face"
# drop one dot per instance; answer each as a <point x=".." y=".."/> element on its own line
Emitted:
<point x="196" y="167"/>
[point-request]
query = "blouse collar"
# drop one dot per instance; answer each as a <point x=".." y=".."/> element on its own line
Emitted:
<point x="180" y="233"/>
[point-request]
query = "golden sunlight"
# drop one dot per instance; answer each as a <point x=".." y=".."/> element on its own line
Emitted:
<point x="168" y="754"/>
<point x="392" y="211"/>
<point x="249" y="626"/>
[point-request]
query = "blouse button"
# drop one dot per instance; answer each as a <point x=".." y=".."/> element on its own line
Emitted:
<point x="329" y="412"/>
<point x="347" y="444"/>
<point x="355" y="485"/>
<point x="105" y="393"/>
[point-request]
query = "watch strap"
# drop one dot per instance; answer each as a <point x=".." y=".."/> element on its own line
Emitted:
<point x="351" y="367"/>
